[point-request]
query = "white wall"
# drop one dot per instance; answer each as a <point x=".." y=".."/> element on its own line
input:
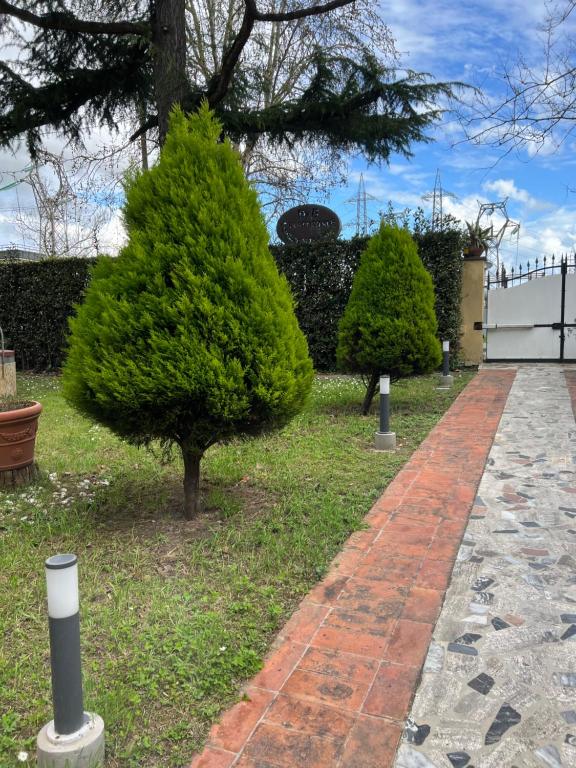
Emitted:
<point x="523" y="306"/>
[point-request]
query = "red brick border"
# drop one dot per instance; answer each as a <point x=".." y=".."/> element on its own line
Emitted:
<point x="339" y="682"/>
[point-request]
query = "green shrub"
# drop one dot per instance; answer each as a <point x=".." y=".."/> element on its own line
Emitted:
<point x="36" y="300"/>
<point x="389" y="325"/>
<point x="441" y="254"/>
<point x="189" y="337"/>
<point x="320" y="275"/>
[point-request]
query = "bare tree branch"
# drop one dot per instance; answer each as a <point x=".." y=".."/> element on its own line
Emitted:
<point x="219" y="85"/>
<point x="151" y="122"/>
<point x="300" y="13"/>
<point x="69" y="23"/>
<point x="539" y="109"/>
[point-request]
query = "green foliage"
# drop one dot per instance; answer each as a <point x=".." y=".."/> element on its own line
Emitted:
<point x="389" y="325"/>
<point x="36" y="300"/>
<point x="67" y="77"/>
<point x="174" y="617"/>
<point x="440" y="252"/>
<point x="190" y="335"/>
<point x="320" y="275"/>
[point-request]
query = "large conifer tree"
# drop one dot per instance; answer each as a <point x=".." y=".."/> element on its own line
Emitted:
<point x="389" y="325"/>
<point x="189" y="337"/>
<point x="81" y="64"/>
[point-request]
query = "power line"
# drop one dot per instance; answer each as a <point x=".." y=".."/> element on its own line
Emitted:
<point x="361" y="200"/>
<point x="437" y="196"/>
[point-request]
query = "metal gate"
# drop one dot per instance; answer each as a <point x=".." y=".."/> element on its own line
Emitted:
<point x="531" y="315"/>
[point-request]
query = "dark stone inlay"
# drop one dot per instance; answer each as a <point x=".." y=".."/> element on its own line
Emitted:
<point x="570" y="739"/>
<point x="568" y="618"/>
<point x="484" y="598"/>
<point x="477" y="517"/>
<point x="569" y="715"/>
<point x="414" y="733"/>
<point x="476" y="559"/>
<point x="524" y="495"/>
<point x="506" y="530"/>
<point x="481" y="583"/>
<point x="499" y="623"/>
<point x="465" y="649"/>
<point x="468" y="638"/>
<point x="530" y="524"/>
<point x="458" y="759"/>
<point x="506" y="718"/>
<point x="570" y="632"/>
<point x="568" y="509"/>
<point x="483" y="683"/>
<point x="539" y="566"/>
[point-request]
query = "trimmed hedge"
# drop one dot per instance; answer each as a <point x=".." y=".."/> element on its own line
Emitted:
<point x="320" y="275"/>
<point x="441" y="254"/>
<point x="36" y="300"/>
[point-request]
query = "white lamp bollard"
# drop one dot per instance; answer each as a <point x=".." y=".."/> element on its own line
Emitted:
<point x="74" y="739"/>
<point x="385" y="440"/>
<point x="446" y="379"/>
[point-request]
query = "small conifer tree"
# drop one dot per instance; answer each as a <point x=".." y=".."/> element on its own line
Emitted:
<point x="189" y="337"/>
<point x="389" y="325"/>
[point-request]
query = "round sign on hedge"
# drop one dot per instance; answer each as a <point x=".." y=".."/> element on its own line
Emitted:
<point x="308" y="222"/>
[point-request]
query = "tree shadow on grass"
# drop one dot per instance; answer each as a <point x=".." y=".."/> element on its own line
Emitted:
<point x="144" y="508"/>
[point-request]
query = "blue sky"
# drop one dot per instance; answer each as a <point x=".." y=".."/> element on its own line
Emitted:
<point x="474" y="42"/>
<point x="471" y="42"/>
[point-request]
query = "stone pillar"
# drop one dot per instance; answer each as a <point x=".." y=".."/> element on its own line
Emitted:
<point x="472" y="309"/>
<point x="7" y="374"/>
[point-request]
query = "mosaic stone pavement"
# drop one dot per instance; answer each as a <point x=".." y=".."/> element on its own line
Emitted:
<point x="499" y="684"/>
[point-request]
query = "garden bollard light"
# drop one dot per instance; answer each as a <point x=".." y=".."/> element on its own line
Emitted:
<point x="446" y="380"/>
<point x="385" y="440"/>
<point x="74" y="739"/>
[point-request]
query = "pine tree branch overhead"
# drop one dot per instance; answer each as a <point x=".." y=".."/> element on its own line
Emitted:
<point x="68" y="22"/>
<point x="84" y="65"/>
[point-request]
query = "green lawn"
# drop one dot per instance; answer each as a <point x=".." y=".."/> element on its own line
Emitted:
<point x="175" y="614"/>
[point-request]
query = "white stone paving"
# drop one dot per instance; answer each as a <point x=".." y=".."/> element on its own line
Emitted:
<point x="499" y="685"/>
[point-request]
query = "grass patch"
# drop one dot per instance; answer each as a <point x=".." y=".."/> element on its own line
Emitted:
<point x="176" y="614"/>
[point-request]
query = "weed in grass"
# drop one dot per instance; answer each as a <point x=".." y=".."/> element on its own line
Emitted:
<point x="177" y="614"/>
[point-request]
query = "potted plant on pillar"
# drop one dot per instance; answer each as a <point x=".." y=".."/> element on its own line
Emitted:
<point x="477" y="239"/>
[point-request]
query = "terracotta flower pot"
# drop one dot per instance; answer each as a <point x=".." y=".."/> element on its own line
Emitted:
<point x="473" y="251"/>
<point x="17" y="436"/>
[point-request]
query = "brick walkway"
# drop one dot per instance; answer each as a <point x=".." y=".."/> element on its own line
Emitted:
<point x="337" y="686"/>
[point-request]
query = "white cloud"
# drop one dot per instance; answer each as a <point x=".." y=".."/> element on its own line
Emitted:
<point x="506" y="188"/>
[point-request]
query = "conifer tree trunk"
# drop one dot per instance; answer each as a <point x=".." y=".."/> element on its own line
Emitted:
<point x="372" y="384"/>
<point x="192" y="500"/>
<point x="169" y="60"/>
